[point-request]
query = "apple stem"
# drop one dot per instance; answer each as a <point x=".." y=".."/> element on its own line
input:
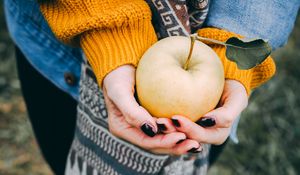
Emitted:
<point x="209" y="40"/>
<point x="193" y="39"/>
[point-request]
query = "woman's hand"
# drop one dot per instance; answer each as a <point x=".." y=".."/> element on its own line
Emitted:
<point x="118" y="85"/>
<point x="131" y="122"/>
<point x="215" y="126"/>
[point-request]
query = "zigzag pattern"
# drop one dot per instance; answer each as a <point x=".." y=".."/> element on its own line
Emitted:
<point x="95" y="151"/>
<point x="123" y="152"/>
<point x="90" y="164"/>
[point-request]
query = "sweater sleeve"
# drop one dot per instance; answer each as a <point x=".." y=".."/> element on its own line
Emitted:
<point x="251" y="78"/>
<point x="110" y="32"/>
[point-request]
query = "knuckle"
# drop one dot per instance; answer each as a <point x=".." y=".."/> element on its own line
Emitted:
<point x="227" y="121"/>
<point x="185" y="128"/>
<point x="131" y="119"/>
<point x="133" y="114"/>
<point x="182" y="135"/>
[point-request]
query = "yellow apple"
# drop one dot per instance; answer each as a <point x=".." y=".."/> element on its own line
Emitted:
<point x="165" y="88"/>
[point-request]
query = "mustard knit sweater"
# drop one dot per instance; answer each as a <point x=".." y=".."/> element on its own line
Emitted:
<point x="117" y="32"/>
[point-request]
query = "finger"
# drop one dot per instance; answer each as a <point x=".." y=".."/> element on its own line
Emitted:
<point x="134" y="114"/>
<point x="187" y="146"/>
<point x="110" y="106"/>
<point x="224" y="116"/>
<point x="136" y="137"/>
<point x="119" y="85"/>
<point x="198" y="133"/>
<point x="165" y="125"/>
<point x="121" y="129"/>
<point x="234" y="100"/>
<point x="116" y="121"/>
<point x="164" y="140"/>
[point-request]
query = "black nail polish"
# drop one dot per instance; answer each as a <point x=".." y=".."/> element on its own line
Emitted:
<point x="180" y="141"/>
<point x="176" y="122"/>
<point x="161" y="127"/>
<point x="206" y="122"/>
<point x="198" y="151"/>
<point x="148" y="130"/>
<point x="193" y="150"/>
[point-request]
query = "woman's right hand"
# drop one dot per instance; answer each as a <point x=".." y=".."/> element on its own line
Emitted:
<point x="131" y="122"/>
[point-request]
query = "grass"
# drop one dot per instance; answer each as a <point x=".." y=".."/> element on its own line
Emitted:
<point x="269" y="130"/>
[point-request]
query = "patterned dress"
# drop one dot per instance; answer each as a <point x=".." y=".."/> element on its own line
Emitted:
<point x="95" y="151"/>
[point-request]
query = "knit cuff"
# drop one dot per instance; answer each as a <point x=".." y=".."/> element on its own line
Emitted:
<point x="232" y="71"/>
<point x="110" y="48"/>
<point x="263" y="72"/>
<point x="249" y="78"/>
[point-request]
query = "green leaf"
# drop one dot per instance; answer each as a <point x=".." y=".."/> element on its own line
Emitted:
<point x="247" y="53"/>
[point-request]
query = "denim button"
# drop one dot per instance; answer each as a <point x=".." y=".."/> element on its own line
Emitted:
<point x="70" y="78"/>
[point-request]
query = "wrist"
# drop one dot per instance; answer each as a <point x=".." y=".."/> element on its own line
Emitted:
<point x="109" y="49"/>
<point x="251" y="78"/>
<point x="119" y="77"/>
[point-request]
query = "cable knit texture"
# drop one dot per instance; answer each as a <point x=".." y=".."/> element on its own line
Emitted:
<point x="117" y="32"/>
<point x="110" y="32"/>
<point x="251" y="78"/>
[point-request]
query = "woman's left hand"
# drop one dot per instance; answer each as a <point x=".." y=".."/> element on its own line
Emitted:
<point x="215" y="126"/>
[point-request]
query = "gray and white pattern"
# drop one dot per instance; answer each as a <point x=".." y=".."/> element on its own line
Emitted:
<point x="95" y="151"/>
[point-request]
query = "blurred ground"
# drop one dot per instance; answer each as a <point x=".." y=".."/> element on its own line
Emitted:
<point x="19" y="154"/>
<point x="269" y="131"/>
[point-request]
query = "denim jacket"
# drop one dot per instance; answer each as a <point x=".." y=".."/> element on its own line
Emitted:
<point x="269" y="19"/>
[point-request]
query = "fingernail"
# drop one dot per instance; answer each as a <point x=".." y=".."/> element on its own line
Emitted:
<point x="200" y="149"/>
<point x="161" y="127"/>
<point x="176" y="122"/>
<point x="193" y="150"/>
<point x="148" y="130"/>
<point x="180" y="141"/>
<point x="206" y="122"/>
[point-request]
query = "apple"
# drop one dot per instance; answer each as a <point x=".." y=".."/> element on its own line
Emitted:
<point x="165" y="87"/>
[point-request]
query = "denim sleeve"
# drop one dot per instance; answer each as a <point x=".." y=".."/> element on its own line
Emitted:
<point x="272" y="20"/>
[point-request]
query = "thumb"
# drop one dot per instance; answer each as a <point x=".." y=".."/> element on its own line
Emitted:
<point x="119" y="86"/>
<point x="224" y="116"/>
<point x="135" y="114"/>
<point x="221" y="117"/>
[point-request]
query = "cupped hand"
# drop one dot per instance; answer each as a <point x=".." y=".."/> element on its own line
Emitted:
<point x="215" y="126"/>
<point x="131" y="122"/>
<point x="119" y="88"/>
